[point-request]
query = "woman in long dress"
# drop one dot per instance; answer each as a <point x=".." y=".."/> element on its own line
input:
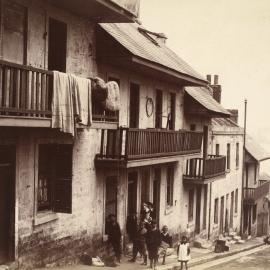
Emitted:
<point x="183" y="252"/>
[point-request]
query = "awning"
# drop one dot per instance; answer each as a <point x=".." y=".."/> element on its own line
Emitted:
<point x="203" y="103"/>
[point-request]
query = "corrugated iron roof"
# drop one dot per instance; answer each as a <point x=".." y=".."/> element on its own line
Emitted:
<point x="256" y="150"/>
<point x="142" y="44"/>
<point x="224" y="122"/>
<point x="202" y="95"/>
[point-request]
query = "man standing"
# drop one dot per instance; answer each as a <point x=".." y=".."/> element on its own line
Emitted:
<point x="114" y="235"/>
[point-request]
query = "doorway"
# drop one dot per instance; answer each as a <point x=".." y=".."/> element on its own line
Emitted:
<point x="134" y="105"/>
<point x="198" y="210"/>
<point x="231" y="209"/>
<point x="57" y="47"/>
<point x="7" y="203"/>
<point x="158" y="116"/>
<point x="262" y="226"/>
<point x="156" y="193"/>
<point x="221" y="223"/>
<point x="132" y="192"/>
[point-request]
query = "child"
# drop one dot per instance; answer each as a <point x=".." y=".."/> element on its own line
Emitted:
<point x="153" y="242"/>
<point x="166" y="242"/>
<point x="183" y="252"/>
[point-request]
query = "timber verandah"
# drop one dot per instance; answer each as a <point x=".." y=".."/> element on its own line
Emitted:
<point x="26" y="95"/>
<point x="204" y="170"/>
<point x="129" y="144"/>
<point x="252" y="194"/>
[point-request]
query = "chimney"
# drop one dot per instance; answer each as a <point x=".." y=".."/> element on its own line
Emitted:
<point x="234" y="115"/>
<point x="216" y="89"/>
<point x="208" y="78"/>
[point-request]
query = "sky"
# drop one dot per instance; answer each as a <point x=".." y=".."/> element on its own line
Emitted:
<point x="230" y="38"/>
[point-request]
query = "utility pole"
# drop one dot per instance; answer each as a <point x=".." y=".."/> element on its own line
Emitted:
<point x="243" y="171"/>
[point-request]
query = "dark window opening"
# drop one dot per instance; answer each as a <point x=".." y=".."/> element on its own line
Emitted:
<point x="55" y="177"/>
<point x="134" y="105"/>
<point x="57" y="51"/>
<point x="190" y="204"/>
<point x="217" y="149"/>
<point x="236" y="201"/>
<point x="171" y="116"/>
<point x="193" y="127"/>
<point x="159" y="101"/>
<point x="170" y="183"/>
<point x="237" y="155"/>
<point x="228" y="156"/>
<point x="216" y="211"/>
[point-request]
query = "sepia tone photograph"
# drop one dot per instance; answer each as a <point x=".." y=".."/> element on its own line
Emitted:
<point x="134" y="134"/>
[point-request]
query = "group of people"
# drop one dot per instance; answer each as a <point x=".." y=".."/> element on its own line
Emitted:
<point x="147" y="240"/>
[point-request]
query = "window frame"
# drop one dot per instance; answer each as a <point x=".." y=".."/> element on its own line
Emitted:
<point x="46" y="215"/>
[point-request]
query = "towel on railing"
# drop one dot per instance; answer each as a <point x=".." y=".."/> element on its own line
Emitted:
<point x="82" y="100"/>
<point x="71" y="97"/>
<point x="62" y="102"/>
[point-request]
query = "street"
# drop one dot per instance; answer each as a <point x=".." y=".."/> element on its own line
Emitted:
<point x="247" y="260"/>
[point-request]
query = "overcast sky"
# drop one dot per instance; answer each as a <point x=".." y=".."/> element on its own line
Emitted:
<point x="230" y="38"/>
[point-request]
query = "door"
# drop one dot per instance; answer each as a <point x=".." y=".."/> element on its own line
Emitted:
<point x="111" y="196"/>
<point x="132" y="192"/>
<point x="134" y="105"/>
<point x="156" y="193"/>
<point x="145" y="186"/>
<point x="221" y="224"/>
<point x="198" y="210"/>
<point x="262" y="226"/>
<point x="57" y="53"/>
<point x="7" y="210"/>
<point x="158" y="111"/>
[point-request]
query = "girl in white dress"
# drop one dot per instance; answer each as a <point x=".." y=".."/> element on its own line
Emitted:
<point x="183" y="252"/>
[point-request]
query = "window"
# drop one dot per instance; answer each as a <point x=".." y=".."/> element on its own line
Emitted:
<point x="193" y="127"/>
<point x="170" y="180"/>
<point x="236" y="201"/>
<point x="55" y="177"/>
<point x="237" y="156"/>
<point x="216" y="211"/>
<point x="217" y="149"/>
<point x="171" y="116"/>
<point x="255" y="174"/>
<point x="134" y="105"/>
<point x="158" y="106"/>
<point x="228" y="156"/>
<point x="254" y="213"/>
<point x="57" y="47"/>
<point x="190" y="204"/>
<point x="14" y="32"/>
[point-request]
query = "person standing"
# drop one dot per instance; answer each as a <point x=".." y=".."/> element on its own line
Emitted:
<point x="139" y="244"/>
<point x="153" y="241"/>
<point x="132" y="226"/>
<point x="113" y="231"/>
<point x="166" y="242"/>
<point x="183" y="252"/>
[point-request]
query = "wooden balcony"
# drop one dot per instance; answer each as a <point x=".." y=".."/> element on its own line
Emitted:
<point x="251" y="195"/>
<point x="25" y="95"/>
<point x="203" y="171"/>
<point x="129" y="147"/>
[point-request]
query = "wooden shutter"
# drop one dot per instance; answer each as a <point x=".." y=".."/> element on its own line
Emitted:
<point x="62" y="199"/>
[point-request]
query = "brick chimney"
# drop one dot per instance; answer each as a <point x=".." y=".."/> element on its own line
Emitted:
<point x="234" y="115"/>
<point x="216" y="89"/>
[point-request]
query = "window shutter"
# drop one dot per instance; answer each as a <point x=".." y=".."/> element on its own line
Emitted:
<point x="62" y="199"/>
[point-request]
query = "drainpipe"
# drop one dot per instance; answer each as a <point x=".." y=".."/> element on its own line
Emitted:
<point x="243" y="169"/>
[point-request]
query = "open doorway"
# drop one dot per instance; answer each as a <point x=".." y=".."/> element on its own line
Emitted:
<point x="156" y="193"/>
<point x="198" y="211"/>
<point x="132" y="192"/>
<point x="57" y="53"/>
<point x="7" y="203"/>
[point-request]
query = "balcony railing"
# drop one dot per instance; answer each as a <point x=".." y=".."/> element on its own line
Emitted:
<point x="131" y="144"/>
<point x="202" y="169"/>
<point x="25" y="91"/>
<point x="252" y="194"/>
<point x="99" y="114"/>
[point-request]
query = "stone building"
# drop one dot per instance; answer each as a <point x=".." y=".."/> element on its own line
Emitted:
<point x="57" y="189"/>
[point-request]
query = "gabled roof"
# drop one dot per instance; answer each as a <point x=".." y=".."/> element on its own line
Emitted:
<point x="255" y="150"/>
<point x="142" y="44"/>
<point x="203" y="97"/>
<point x="264" y="176"/>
